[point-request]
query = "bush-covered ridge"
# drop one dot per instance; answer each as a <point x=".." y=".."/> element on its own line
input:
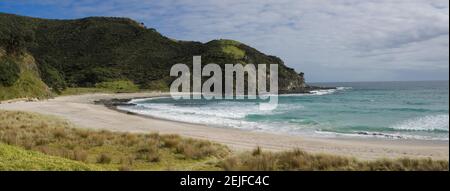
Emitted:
<point x="85" y="52"/>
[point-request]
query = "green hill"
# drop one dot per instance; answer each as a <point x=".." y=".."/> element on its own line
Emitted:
<point x="88" y="51"/>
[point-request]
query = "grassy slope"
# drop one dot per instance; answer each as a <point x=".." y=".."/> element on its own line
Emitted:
<point x="105" y="149"/>
<point x="15" y="158"/>
<point x="29" y="84"/>
<point x="124" y="151"/>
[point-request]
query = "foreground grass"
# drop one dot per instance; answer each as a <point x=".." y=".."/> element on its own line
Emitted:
<point x="108" y="150"/>
<point x="45" y="136"/>
<point x="14" y="158"/>
<point x="301" y="161"/>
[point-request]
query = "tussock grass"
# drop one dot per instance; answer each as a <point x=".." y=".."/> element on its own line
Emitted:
<point x="104" y="150"/>
<point x="104" y="158"/>
<point x="302" y="161"/>
<point x="15" y="158"/>
<point x="111" y="150"/>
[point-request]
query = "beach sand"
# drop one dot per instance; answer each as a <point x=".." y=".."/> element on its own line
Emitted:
<point x="82" y="111"/>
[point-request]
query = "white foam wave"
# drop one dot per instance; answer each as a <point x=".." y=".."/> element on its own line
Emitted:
<point x="221" y="114"/>
<point x="138" y="100"/>
<point x="329" y="91"/>
<point x="427" y="123"/>
<point x="381" y="135"/>
<point x="323" y="92"/>
<point x="343" y="88"/>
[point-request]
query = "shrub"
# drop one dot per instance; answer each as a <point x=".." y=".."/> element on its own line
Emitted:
<point x="196" y="149"/>
<point x="231" y="164"/>
<point x="50" y="75"/>
<point x="80" y="155"/>
<point x="118" y="86"/>
<point x="104" y="159"/>
<point x="9" y="72"/>
<point x="257" y="151"/>
<point x="300" y="160"/>
<point x="149" y="151"/>
<point x="171" y="141"/>
<point x="160" y="85"/>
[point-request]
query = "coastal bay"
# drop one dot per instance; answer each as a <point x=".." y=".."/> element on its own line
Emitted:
<point x="83" y="112"/>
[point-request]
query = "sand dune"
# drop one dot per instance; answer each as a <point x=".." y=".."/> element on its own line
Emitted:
<point x="82" y="111"/>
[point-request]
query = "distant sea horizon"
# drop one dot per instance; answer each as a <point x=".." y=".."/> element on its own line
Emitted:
<point x="369" y="81"/>
<point x="386" y="110"/>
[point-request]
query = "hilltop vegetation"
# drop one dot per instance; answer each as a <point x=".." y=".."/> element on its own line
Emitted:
<point x="39" y="142"/>
<point x="86" y="52"/>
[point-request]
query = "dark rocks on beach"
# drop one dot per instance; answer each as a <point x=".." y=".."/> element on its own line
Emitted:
<point x="379" y="134"/>
<point x="112" y="103"/>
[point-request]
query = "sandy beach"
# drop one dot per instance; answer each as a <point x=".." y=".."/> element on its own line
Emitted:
<point x="82" y="111"/>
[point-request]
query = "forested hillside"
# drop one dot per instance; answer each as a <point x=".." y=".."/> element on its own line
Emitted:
<point x="89" y="51"/>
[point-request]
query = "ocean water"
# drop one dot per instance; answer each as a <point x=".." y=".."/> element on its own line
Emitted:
<point x="385" y="110"/>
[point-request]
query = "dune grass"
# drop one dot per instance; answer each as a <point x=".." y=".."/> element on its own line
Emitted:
<point x="298" y="160"/>
<point x="108" y="150"/>
<point x="18" y="159"/>
<point x="48" y="139"/>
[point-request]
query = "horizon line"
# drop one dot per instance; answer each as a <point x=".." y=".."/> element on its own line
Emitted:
<point x="380" y="81"/>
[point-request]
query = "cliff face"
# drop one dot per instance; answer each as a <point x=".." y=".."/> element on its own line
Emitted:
<point x="295" y="84"/>
<point x="85" y="52"/>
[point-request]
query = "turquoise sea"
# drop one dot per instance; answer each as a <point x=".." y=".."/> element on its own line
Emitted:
<point x="386" y="110"/>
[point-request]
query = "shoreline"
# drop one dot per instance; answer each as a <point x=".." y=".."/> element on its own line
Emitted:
<point x="113" y="104"/>
<point x="85" y="112"/>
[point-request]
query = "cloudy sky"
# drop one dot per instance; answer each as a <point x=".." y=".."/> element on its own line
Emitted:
<point x="329" y="40"/>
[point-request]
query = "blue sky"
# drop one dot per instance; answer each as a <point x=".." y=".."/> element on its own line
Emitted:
<point x="329" y="40"/>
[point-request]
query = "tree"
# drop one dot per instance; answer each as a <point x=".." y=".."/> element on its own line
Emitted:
<point x="14" y="38"/>
<point x="9" y="72"/>
<point x="50" y="75"/>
